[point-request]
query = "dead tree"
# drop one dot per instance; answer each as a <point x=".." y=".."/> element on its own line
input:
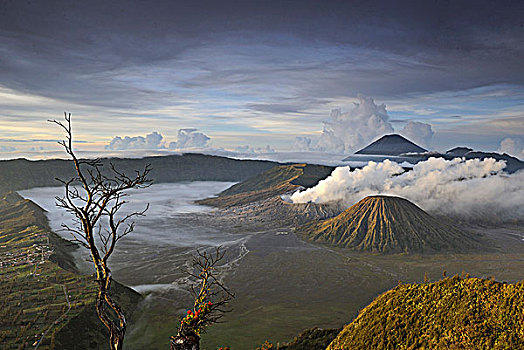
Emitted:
<point x="211" y="298"/>
<point x="94" y="198"/>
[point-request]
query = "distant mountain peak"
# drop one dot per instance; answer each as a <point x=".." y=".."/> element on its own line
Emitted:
<point x="391" y="145"/>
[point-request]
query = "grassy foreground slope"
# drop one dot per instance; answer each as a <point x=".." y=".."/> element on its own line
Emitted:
<point x="454" y="313"/>
<point x="40" y="299"/>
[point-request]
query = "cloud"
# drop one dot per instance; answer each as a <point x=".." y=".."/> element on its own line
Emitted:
<point x="190" y="138"/>
<point x="349" y="131"/>
<point x="150" y="141"/>
<point x="7" y="149"/>
<point x="251" y="150"/>
<point x="419" y="133"/>
<point x="302" y="143"/>
<point x="466" y="188"/>
<point x="512" y="146"/>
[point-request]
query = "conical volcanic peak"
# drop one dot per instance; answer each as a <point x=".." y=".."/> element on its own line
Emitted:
<point x="388" y="224"/>
<point x="391" y="145"/>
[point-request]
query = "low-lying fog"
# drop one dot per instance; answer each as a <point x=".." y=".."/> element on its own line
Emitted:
<point x="163" y="240"/>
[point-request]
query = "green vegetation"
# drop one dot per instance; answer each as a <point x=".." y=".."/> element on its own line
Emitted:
<point x="38" y="296"/>
<point x="385" y="224"/>
<point x="311" y="339"/>
<point x="33" y="287"/>
<point x="454" y="313"/>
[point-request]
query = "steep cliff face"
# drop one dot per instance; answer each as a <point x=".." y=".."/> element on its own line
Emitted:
<point x="388" y="224"/>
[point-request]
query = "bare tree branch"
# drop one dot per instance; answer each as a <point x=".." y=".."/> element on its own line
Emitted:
<point x="95" y="199"/>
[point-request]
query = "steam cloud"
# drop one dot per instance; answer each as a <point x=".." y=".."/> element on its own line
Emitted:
<point x="151" y="141"/>
<point x="190" y="138"/>
<point x="513" y="147"/>
<point x="466" y="188"/>
<point x="349" y="131"/>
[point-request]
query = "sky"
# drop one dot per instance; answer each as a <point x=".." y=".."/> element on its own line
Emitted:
<point x="260" y="76"/>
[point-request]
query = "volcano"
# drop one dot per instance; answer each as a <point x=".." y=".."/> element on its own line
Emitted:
<point x="385" y="224"/>
<point x="391" y="145"/>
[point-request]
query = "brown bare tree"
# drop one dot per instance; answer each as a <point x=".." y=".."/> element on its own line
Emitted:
<point x="94" y="198"/>
<point x="211" y="298"/>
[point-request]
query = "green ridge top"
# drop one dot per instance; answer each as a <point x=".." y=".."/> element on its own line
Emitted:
<point x="454" y="313"/>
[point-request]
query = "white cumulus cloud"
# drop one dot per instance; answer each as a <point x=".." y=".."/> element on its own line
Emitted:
<point x="190" y="138"/>
<point x="512" y="146"/>
<point x="418" y="132"/>
<point x="349" y="131"/>
<point x="150" y="141"/>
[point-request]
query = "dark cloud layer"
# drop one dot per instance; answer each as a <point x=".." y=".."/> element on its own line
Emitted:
<point x="263" y="67"/>
<point x="51" y="46"/>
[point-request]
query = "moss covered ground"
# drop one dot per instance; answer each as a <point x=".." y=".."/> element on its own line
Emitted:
<point x="454" y="313"/>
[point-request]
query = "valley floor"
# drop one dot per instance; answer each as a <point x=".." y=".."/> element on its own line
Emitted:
<point x="285" y="285"/>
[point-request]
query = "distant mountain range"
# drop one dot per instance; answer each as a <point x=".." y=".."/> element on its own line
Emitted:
<point x="400" y="150"/>
<point x="385" y="224"/>
<point x="19" y="174"/>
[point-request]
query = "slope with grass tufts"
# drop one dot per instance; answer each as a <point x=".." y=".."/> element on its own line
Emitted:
<point x="384" y="224"/>
<point x="454" y="313"/>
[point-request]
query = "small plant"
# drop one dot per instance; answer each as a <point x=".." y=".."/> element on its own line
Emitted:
<point x="210" y="301"/>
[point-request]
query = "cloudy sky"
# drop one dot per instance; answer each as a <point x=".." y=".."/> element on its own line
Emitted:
<point x="260" y="76"/>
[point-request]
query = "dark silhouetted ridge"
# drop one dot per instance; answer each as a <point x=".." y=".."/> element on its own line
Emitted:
<point x="391" y="145"/>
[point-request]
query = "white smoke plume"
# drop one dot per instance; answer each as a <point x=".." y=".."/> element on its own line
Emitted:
<point x="190" y="138"/>
<point x="349" y="131"/>
<point x="465" y="188"/>
<point x="418" y="132"/>
<point x="513" y="147"/>
<point x="151" y="141"/>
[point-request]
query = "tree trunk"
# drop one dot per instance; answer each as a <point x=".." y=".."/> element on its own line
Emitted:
<point x="104" y="303"/>
<point x="116" y="340"/>
<point x="181" y="342"/>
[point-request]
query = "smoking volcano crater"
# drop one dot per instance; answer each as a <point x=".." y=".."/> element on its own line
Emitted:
<point x="385" y="224"/>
